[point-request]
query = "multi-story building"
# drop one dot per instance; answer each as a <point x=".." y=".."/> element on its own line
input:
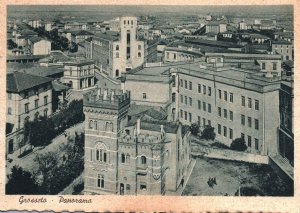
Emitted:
<point x="79" y="75"/>
<point x="117" y="52"/>
<point x="236" y="102"/>
<point x="39" y="46"/>
<point x="139" y="157"/>
<point x="286" y="128"/>
<point x="215" y="27"/>
<point x="283" y="48"/>
<point x="28" y="97"/>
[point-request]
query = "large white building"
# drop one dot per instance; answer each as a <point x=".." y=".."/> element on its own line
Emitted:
<point x="116" y="52"/>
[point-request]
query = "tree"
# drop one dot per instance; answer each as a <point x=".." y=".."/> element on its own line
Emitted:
<point x="73" y="47"/>
<point x="208" y="133"/>
<point x="21" y="182"/>
<point x="11" y="44"/>
<point x="194" y="129"/>
<point x="238" y="144"/>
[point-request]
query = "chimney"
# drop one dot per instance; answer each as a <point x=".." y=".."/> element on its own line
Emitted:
<point x="138" y="126"/>
<point x="105" y="94"/>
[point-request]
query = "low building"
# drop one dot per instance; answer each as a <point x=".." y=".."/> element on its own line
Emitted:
<point x="79" y="75"/>
<point x="28" y="97"/>
<point x="80" y="36"/>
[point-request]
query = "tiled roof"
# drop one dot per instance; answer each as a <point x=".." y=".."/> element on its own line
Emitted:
<point x="18" y="81"/>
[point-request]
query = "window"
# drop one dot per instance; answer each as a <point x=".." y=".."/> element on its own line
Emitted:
<point x="199" y="121"/>
<point x="143" y="186"/>
<point x="127" y="186"/>
<point x="190" y="85"/>
<point x="209" y="122"/>
<point x="191" y="101"/>
<point x="168" y="55"/>
<point x="143" y="160"/>
<point x="220" y="94"/>
<point x="230" y="133"/>
<point x="144" y="96"/>
<point x="36" y="103"/>
<point x="117" y="73"/>
<point x="185" y="84"/>
<point x="174" y="56"/>
<point x="190" y="117"/>
<point x="256" y="124"/>
<point x="204" y="89"/>
<point x="231" y="115"/>
<point x="274" y="66"/>
<point x="26" y="108"/>
<point x="209" y="91"/>
<point x="46" y="99"/>
<point x="181" y="113"/>
<point x="199" y="104"/>
<point x="225" y="131"/>
<point x="243" y="119"/>
<point x="185" y="115"/>
<point x="204" y="121"/>
<point x="231" y="97"/>
<point x="117" y="55"/>
<point x="249" y="103"/>
<point x="204" y="106"/>
<point x="225" y="113"/>
<point x="256" y="143"/>
<point x="9" y="110"/>
<point x="225" y="96"/>
<point x="249" y="140"/>
<point x="181" y="82"/>
<point x="219" y="129"/>
<point x="122" y="158"/>
<point x="219" y="111"/>
<point x="249" y="122"/>
<point x="209" y="108"/>
<point x="100" y="181"/>
<point x="45" y="112"/>
<point x="243" y="101"/>
<point x="256" y="105"/>
<point x="199" y="88"/>
<point x="139" y="54"/>
<point x="263" y="65"/>
<point x="173" y="97"/>
<point x="185" y="99"/>
<point x="117" y="47"/>
<point x="139" y="47"/>
<point x="9" y="95"/>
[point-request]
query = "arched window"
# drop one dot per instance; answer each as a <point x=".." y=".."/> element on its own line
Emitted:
<point x="101" y="153"/>
<point x="117" y="47"/>
<point x="139" y="54"/>
<point x="143" y="160"/>
<point x="117" y="73"/>
<point x="100" y="181"/>
<point x="128" y="158"/>
<point x="91" y="124"/>
<point x="122" y="158"/>
<point x="95" y="124"/>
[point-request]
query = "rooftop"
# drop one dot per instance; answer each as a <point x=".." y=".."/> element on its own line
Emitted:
<point x="17" y="81"/>
<point x="34" y="69"/>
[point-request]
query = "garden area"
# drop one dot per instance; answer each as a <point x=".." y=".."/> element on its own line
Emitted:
<point x="233" y="178"/>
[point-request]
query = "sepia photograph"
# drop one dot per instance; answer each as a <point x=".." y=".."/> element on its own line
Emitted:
<point x="152" y="100"/>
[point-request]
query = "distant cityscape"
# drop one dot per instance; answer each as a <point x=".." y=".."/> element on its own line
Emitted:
<point x="150" y="100"/>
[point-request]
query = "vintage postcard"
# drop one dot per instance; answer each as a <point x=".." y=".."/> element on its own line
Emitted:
<point x="149" y="106"/>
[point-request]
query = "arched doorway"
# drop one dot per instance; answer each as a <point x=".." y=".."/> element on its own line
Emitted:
<point x="121" y="188"/>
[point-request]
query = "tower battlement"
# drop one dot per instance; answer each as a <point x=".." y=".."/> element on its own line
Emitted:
<point x="104" y="98"/>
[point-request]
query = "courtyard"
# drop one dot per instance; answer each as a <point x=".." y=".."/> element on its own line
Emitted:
<point x="253" y="179"/>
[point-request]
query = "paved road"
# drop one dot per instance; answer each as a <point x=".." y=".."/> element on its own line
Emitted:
<point x="28" y="163"/>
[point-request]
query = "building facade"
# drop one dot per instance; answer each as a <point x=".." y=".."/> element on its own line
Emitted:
<point x="28" y="97"/>
<point x="117" y="52"/>
<point x="138" y="157"/>
<point x="283" y="48"/>
<point x="80" y="75"/>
